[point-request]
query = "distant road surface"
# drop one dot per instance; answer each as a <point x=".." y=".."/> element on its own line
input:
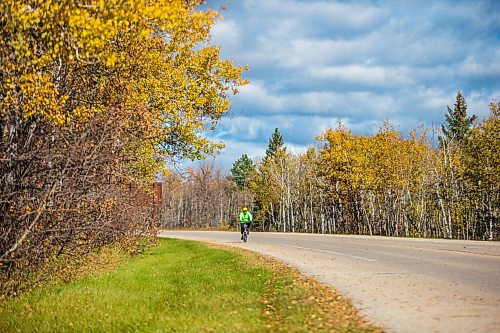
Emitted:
<point x="401" y="284"/>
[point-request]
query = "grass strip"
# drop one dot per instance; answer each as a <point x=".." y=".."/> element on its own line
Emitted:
<point x="184" y="286"/>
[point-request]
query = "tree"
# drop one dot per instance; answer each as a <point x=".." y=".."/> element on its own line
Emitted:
<point x="275" y="145"/>
<point x="205" y="198"/>
<point x="451" y="188"/>
<point x="241" y="170"/>
<point x="458" y="125"/>
<point x="382" y="184"/>
<point x="94" y="97"/>
<point x="483" y="170"/>
<point x="266" y="184"/>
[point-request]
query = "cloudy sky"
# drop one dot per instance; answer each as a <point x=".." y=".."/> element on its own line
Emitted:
<point x="313" y="63"/>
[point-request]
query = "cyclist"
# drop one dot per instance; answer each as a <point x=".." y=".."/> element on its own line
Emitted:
<point x="245" y="218"/>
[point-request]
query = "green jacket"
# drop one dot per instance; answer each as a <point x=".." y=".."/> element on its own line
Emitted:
<point x="245" y="217"/>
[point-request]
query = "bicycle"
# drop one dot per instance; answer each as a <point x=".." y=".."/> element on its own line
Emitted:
<point x="245" y="232"/>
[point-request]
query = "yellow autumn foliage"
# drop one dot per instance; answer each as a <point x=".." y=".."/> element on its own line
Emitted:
<point x="147" y="66"/>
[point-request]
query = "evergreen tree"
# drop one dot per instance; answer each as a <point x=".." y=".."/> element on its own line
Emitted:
<point x="458" y="125"/>
<point x="241" y="169"/>
<point x="275" y="144"/>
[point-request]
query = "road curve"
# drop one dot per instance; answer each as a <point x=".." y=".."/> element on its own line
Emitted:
<point x="400" y="284"/>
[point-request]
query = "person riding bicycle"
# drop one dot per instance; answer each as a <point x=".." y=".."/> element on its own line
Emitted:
<point x="245" y="218"/>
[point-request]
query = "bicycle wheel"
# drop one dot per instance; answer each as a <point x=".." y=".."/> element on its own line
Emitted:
<point x="245" y="235"/>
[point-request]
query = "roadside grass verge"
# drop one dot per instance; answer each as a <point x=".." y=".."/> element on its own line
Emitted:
<point x="184" y="286"/>
<point x="62" y="269"/>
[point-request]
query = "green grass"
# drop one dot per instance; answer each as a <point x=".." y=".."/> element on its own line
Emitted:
<point x="182" y="286"/>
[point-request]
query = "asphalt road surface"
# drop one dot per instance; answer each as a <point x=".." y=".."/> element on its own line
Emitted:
<point x="400" y="284"/>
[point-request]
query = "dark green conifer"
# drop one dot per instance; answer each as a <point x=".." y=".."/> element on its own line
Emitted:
<point x="241" y="170"/>
<point x="275" y="144"/>
<point x="458" y="124"/>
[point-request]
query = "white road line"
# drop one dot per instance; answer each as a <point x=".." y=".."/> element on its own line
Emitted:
<point x="325" y="251"/>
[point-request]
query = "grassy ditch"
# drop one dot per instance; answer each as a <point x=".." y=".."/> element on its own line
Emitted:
<point x="64" y="268"/>
<point x="183" y="286"/>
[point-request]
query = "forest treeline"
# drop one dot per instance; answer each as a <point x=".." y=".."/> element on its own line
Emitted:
<point x="383" y="184"/>
<point x="95" y="96"/>
<point x="202" y="198"/>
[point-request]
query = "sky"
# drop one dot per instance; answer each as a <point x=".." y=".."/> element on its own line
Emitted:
<point x="314" y="63"/>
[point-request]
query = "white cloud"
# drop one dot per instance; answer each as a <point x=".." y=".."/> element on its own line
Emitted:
<point x="471" y="66"/>
<point x="352" y="104"/>
<point x="364" y="75"/>
<point x="303" y="53"/>
<point x="351" y="15"/>
<point x="341" y="13"/>
<point x="478" y="103"/>
<point x="225" y="160"/>
<point x="436" y="99"/>
<point x="234" y="150"/>
<point x="241" y="128"/>
<point x="255" y="94"/>
<point x="227" y="33"/>
<point x="433" y="99"/>
<point x="315" y="62"/>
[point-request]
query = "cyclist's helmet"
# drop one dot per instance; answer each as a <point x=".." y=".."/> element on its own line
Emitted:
<point x="245" y="209"/>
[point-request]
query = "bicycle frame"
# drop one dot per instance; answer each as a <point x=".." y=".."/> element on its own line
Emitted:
<point x="245" y="232"/>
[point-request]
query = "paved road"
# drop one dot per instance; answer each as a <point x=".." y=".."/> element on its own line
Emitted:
<point x="403" y="285"/>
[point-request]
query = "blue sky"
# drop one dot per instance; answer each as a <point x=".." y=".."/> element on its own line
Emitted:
<point x="313" y="63"/>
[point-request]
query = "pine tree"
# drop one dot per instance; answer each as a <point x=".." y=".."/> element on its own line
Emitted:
<point x="275" y="145"/>
<point x="241" y="170"/>
<point x="458" y="125"/>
